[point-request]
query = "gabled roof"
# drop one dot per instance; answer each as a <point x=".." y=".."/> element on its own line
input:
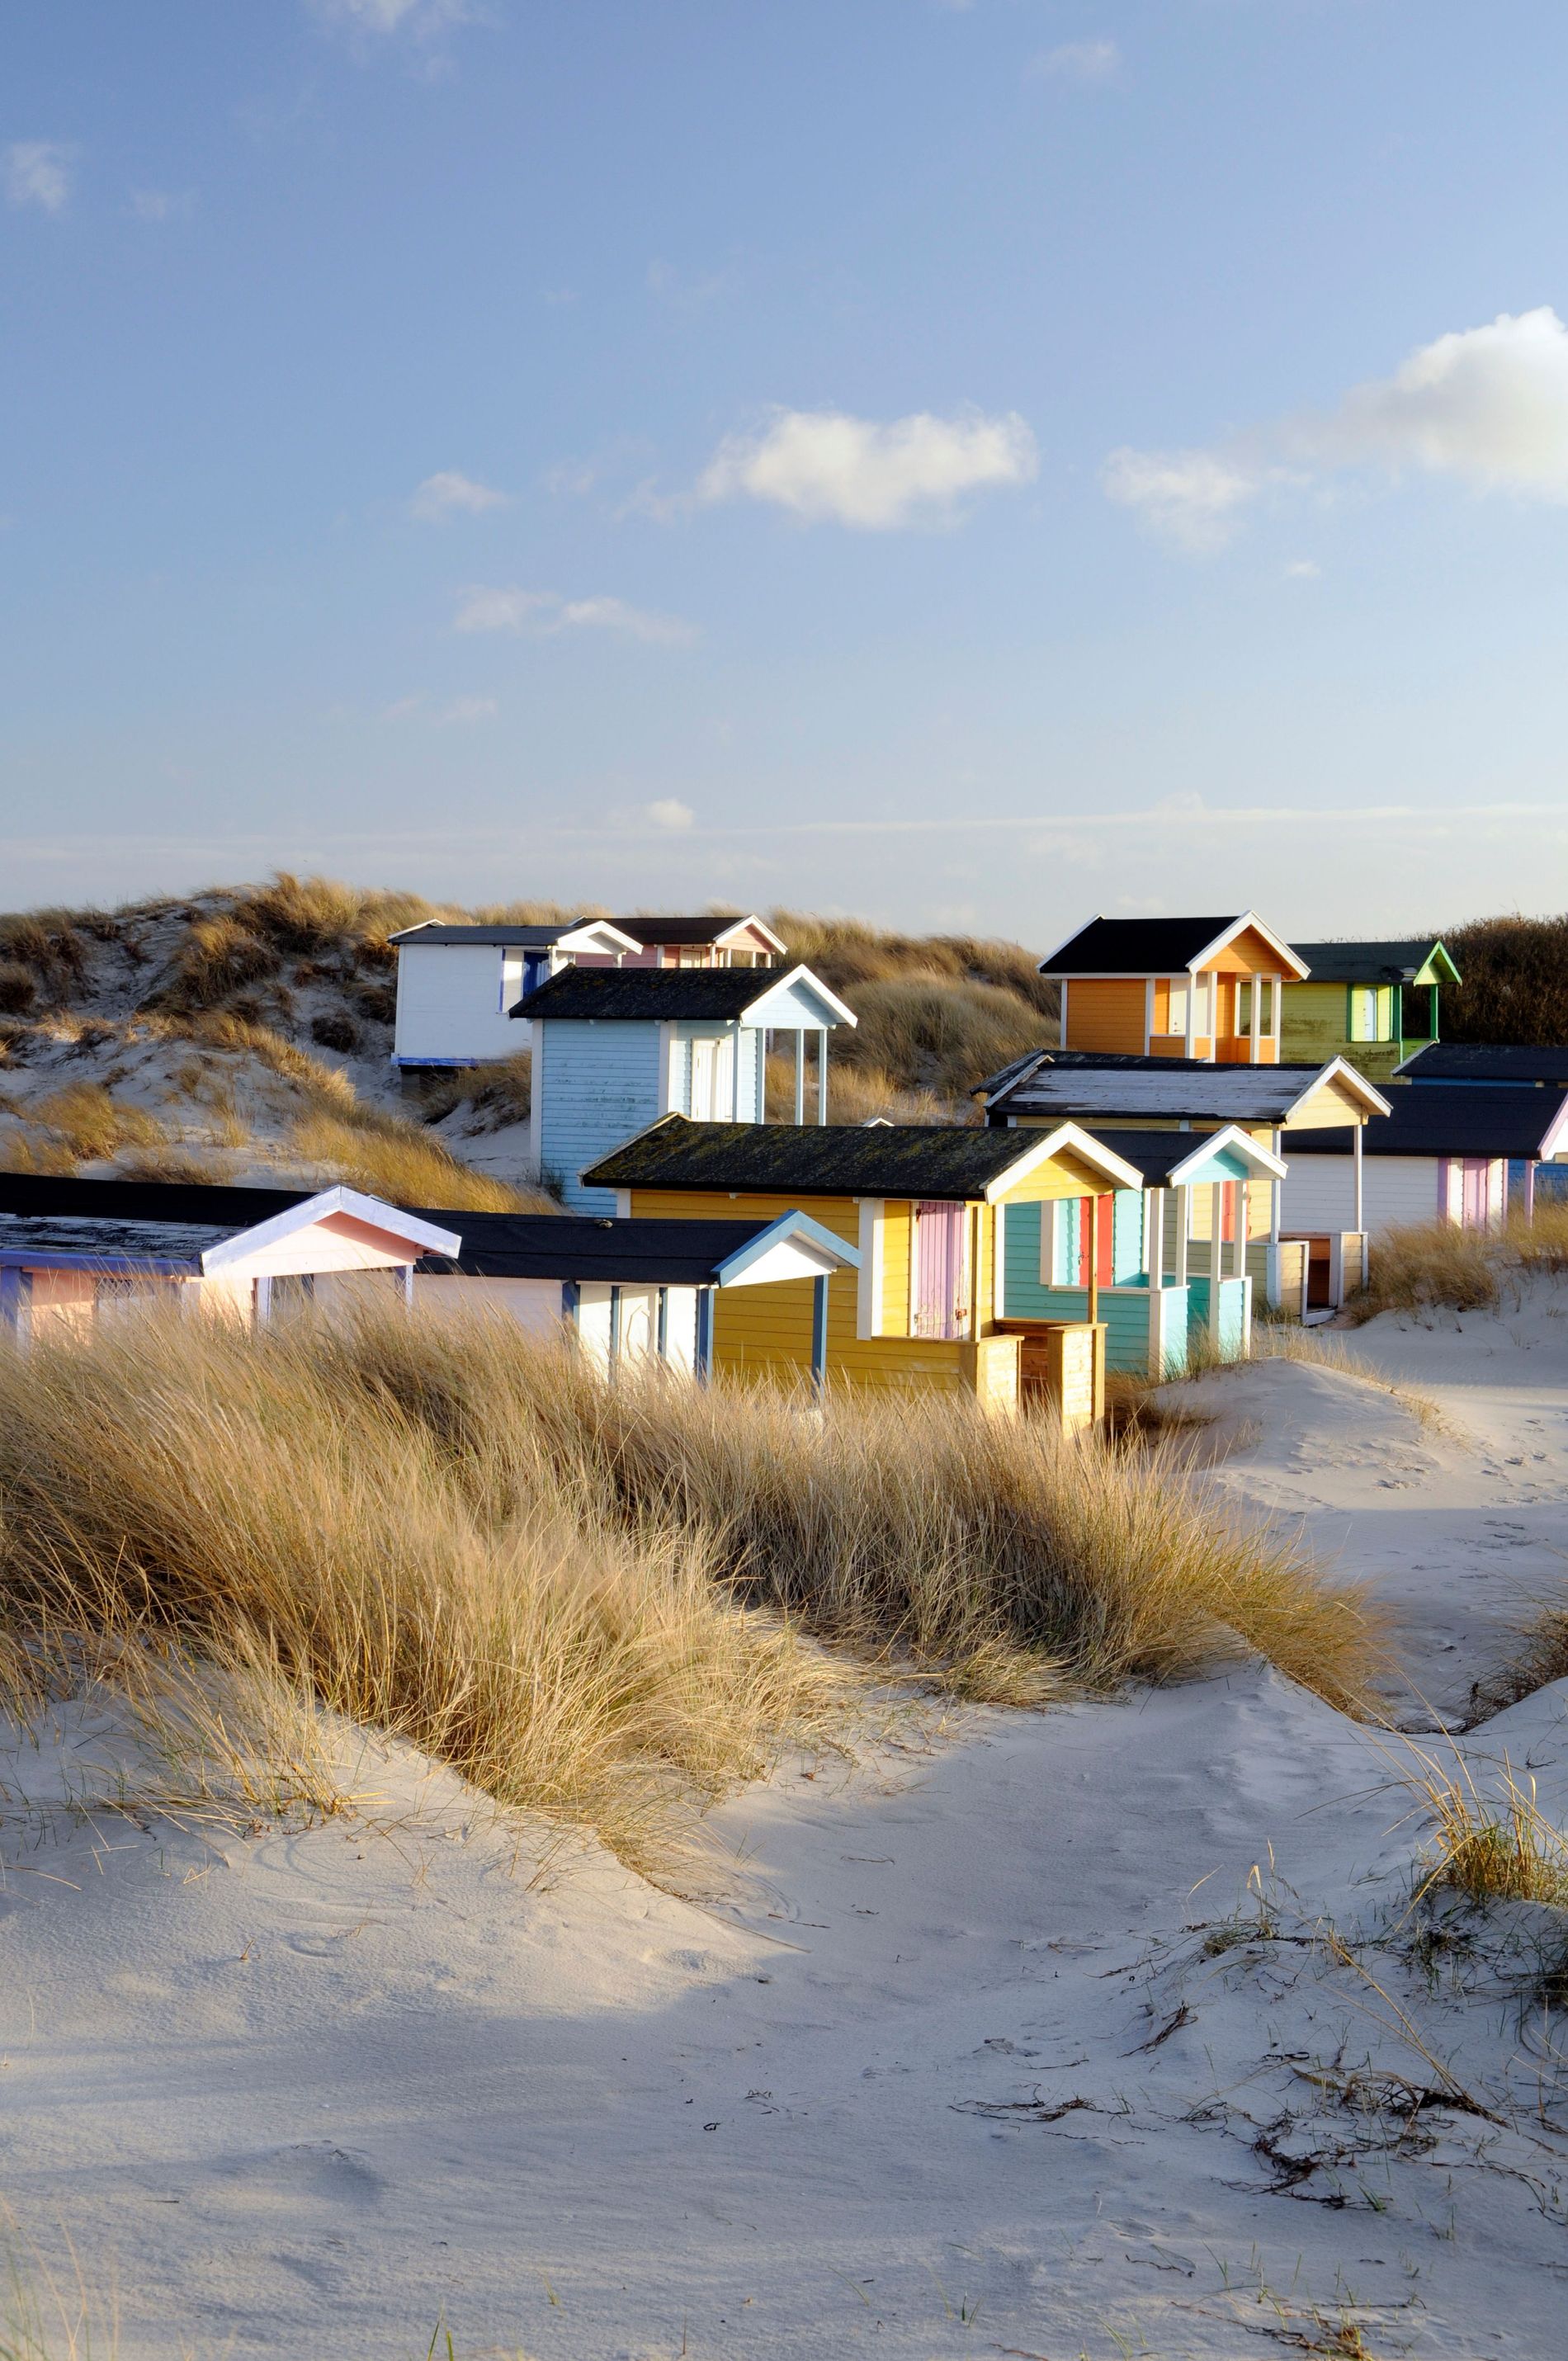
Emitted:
<point x="1421" y="959"/>
<point x="1131" y="946"/>
<point x="1455" y="1120"/>
<point x="1064" y="1083"/>
<point x="710" y="930"/>
<point x="1170" y="1159"/>
<point x="846" y="1159"/>
<point x="662" y="994"/>
<point x="590" y="934"/>
<point x="1487" y="1063"/>
<point x="569" y="1247"/>
<point x="184" y="1228"/>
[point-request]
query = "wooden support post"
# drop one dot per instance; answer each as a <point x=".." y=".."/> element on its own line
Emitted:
<point x="1183" y="1225"/>
<point x="1254" y="1031"/>
<point x="408" y="1278"/>
<point x="661" y="1325"/>
<point x="1216" y="1260"/>
<point x="1244" y="1223"/>
<point x="15" y="1301"/>
<point x="703" y="1364"/>
<point x="819" y="1332"/>
<point x="822" y="1075"/>
<point x="614" y="1330"/>
<point x="1154" y="1235"/>
<point x="1529" y="1194"/>
<point x="799" y="1075"/>
<point x="1360" y="1221"/>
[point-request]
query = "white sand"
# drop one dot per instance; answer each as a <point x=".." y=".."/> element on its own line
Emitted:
<point x="975" y="2057"/>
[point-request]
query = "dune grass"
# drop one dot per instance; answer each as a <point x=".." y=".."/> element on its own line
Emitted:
<point x="1487" y="1846"/>
<point x="597" y="1601"/>
<point x="1431" y="1265"/>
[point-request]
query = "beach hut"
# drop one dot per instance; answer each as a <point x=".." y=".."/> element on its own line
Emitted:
<point x="1204" y="988"/>
<point x="926" y="1206"/>
<point x="1442" y="1155"/>
<point x="729" y="940"/>
<point x="616" y="1048"/>
<point x="631" y="1292"/>
<point x="1294" y="1270"/>
<point x="457" y="985"/>
<point x="1373" y="1003"/>
<point x="72" y="1250"/>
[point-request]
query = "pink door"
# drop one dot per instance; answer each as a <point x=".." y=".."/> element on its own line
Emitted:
<point x="940" y="1305"/>
<point x="1476" y="1213"/>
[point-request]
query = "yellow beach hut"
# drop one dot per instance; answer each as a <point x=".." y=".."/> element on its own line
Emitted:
<point x="922" y="1203"/>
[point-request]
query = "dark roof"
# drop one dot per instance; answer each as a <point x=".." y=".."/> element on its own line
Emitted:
<point x="1136" y="946"/>
<point x="1102" y="1061"/>
<point x="1448" y="1120"/>
<point x="684" y="930"/>
<point x="1386" y="963"/>
<point x="1486" y="1062"/>
<point x="576" y="1246"/>
<point x="528" y="939"/>
<point x="649" y="995"/>
<point x="826" y="1160"/>
<point x="1154" y="1153"/>
<point x="50" y="1196"/>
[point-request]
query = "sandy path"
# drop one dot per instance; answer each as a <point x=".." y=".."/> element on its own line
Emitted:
<point x="990" y="2047"/>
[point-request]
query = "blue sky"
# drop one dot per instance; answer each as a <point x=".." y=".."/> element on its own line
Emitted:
<point x="974" y="466"/>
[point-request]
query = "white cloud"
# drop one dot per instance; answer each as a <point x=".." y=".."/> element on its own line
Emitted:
<point x="1303" y="569"/>
<point x="546" y="612"/>
<point x="670" y="812"/>
<point x="1193" y="497"/>
<point x="465" y="709"/>
<point x="37" y="172"/>
<point x="1080" y="61"/>
<point x="421" y="19"/>
<point x="162" y="205"/>
<point x="823" y="463"/>
<point x="449" y="494"/>
<point x="1487" y="406"/>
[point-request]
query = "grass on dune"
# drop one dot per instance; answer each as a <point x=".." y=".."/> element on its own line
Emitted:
<point x="1434" y="1264"/>
<point x="599" y="1601"/>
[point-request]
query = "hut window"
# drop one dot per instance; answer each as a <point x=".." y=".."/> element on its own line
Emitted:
<point x="940" y="1306"/>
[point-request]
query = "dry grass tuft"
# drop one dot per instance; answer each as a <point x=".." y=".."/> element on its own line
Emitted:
<point x="1488" y="1848"/>
<point x="498" y="1092"/>
<point x="269" y="1504"/>
<point x="390" y="1158"/>
<point x="217" y="956"/>
<point x="588" y="1599"/>
<point x="919" y="1523"/>
<point x="1435" y="1264"/>
<point x="83" y="1122"/>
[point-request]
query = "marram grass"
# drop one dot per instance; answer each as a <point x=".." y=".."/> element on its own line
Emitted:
<point x="609" y="1604"/>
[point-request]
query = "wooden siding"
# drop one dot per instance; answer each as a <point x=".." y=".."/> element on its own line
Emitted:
<point x="452" y="1002"/>
<point x="1319" y="1192"/>
<point x="1105" y="1013"/>
<point x="1316" y="1028"/>
<point x="896" y="1248"/>
<point x="765" y="1332"/>
<point x="600" y="1086"/>
<point x="1248" y="954"/>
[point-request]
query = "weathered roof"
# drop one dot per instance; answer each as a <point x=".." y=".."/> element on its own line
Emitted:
<point x="180" y="1222"/>
<point x="1065" y="1083"/>
<point x="1456" y="1120"/>
<point x="1018" y="1070"/>
<point x="577" y="1246"/>
<point x="821" y="1161"/>
<point x="706" y="929"/>
<point x="1154" y="946"/>
<point x="662" y="994"/>
<point x="1488" y="1062"/>
<point x="82" y="1238"/>
<point x="1399" y="962"/>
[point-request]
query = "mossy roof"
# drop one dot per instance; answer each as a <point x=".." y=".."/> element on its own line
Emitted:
<point x="814" y="1160"/>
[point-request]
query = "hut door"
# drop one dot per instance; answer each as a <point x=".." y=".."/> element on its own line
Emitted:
<point x="940" y="1307"/>
<point x="1478" y="1209"/>
<point x="1097" y="1238"/>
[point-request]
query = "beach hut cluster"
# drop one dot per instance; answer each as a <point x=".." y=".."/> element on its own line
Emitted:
<point x="1224" y="1122"/>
